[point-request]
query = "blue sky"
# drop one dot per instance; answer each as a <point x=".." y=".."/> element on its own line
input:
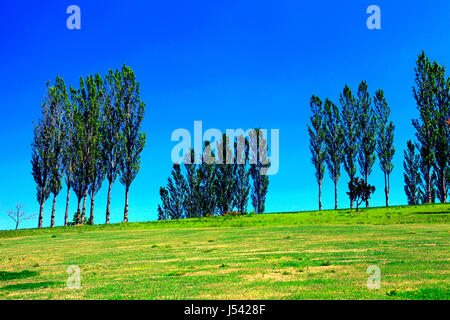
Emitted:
<point x="230" y="64"/>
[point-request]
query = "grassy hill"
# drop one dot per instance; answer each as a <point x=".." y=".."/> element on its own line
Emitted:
<point x="304" y="255"/>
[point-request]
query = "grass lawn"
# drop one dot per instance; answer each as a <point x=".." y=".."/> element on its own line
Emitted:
<point x="305" y="255"/>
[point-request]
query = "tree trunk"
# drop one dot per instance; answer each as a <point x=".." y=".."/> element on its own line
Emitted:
<point x="52" y="222"/>
<point x="429" y="186"/>
<point x="41" y="212"/>
<point x="351" y="200"/>
<point x="386" y="190"/>
<point x="77" y="219"/>
<point x="66" y="216"/>
<point x="125" y="214"/>
<point x="83" y="213"/>
<point x="366" y="178"/>
<point x="335" y="196"/>
<point x="108" y="202"/>
<point x="91" y="218"/>
<point x="320" y="196"/>
<point x="444" y="188"/>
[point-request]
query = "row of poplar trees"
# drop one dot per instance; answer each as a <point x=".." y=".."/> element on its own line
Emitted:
<point x="427" y="172"/>
<point x="85" y="135"/>
<point x="356" y="133"/>
<point x="218" y="187"/>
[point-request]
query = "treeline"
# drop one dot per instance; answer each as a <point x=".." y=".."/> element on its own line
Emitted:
<point x="427" y="172"/>
<point x="355" y="133"/>
<point x="359" y="131"/>
<point x="85" y="135"/>
<point x="219" y="184"/>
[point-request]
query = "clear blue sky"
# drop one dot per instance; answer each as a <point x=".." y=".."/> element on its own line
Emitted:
<point x="231" y="64"/>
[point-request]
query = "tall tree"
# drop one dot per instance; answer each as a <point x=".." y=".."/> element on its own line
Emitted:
<point x="133" y="139"/>
<point x="89" y="100"/>
<point x="259" y="165"/>
<point x="225" y="177"/>
<point x="206" y="175"/>
<point x="96" y="96"/>
<point x="78" y="156"/>
<point x="41" y="155"/>
<point x="367" y="125"/>
<point x="317" y="142"/>
<point x="442" y="140"/>
<point x="334" y="139"/>
<point x="68" y="151"/>
<point x="111" y="131"/>
<point x="58" y="101"/>
<point x="423" y="94"/>
<point x="351" y="131"/>
<point x="385" y="134"/>
<point x="191" y="203"/>
<point x="411" y="174"/>
<point x="242" y="174"/>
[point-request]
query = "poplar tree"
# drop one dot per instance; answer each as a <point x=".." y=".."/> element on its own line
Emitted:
<point x="225" y="176"/>
<point x="334" y="139"/>
<point x="133" y="140"/>
<point x="412" y="174"/>
<point x="111" y="131"/>
<point x="41" y="156"/>
<point x="89" y="100"/>
<point x="425" y="129"/>
<point x="242" y="174"/>
<point x="259" y="164"/>
<point x="68" y="151"/>
<point x="385" y="134"/>
<point x="351" y="131"/>
<point x="206" y="175"/>
<point x="191" y="202"/>
<point x="96" y="95"/>
<point x="78" y="160"/>
<point x="367" y="124"/>
<point x="442" y="140"/>
<point x="317" y="142"/>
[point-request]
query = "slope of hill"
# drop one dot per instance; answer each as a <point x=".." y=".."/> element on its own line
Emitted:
<point x="305" y="255"/>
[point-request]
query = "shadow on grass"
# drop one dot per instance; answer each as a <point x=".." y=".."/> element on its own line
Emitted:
<point x="434" y="212"/>
<point x="32" y="285"/>
<point x="6" y="275"/>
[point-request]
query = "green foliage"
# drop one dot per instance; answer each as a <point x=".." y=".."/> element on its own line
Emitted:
<point x="350" y="130"/>
<point x="367" y="124"/>
<point x="259" y="164"/>
<point x="411" y="174"/>
<point x="225" y="176"/>
<point x="133" y="109"/>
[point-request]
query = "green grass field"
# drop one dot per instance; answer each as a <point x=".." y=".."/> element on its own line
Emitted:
<point x="305" y="255"/>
